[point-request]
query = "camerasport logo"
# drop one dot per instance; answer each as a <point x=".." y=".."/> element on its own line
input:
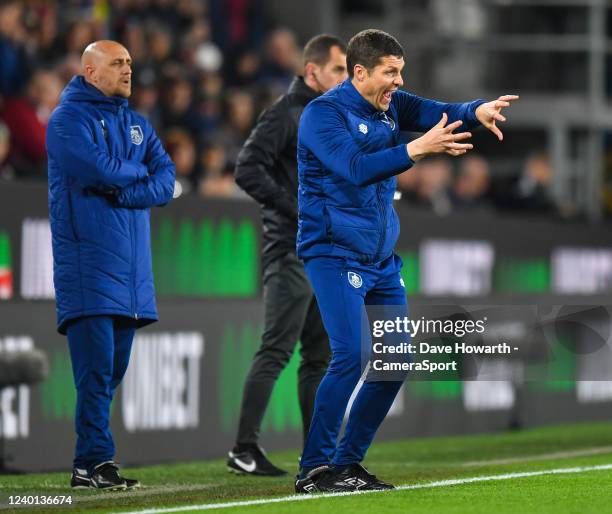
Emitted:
<point x="6" y="272"/>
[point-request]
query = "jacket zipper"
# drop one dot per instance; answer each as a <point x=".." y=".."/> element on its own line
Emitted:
<point x="383" y="217"/>
<point x="131" y="214"/>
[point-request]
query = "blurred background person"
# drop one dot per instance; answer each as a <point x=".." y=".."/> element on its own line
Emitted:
<point x="471" y="187"/>
<point x="7" y="172"/>
<point x="182" y="151"/>
<point x="532" y="192"/>
<point x="434" y="182"/>
<point x="217" y="179"/>
<point x="282" y="59"/>
<point x="13" y="60"/>
<point x="26" y="116"/>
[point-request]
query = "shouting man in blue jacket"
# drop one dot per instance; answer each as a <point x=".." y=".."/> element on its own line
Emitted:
<point x="348" y="155"/>
<point x="106" y="169"/>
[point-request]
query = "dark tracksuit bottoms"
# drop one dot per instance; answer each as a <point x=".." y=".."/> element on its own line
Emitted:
<point x="291" y="314"/>
<point x="341" y="304"/>
<point x="100" y="352"/>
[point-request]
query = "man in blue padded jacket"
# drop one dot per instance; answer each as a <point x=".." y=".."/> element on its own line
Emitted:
<point x="348" y="156"/>
<point x="106" y="169"/>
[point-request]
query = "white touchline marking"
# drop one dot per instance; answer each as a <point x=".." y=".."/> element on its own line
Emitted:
<point x="425" y="485"/>
<point x="543" y="456"/>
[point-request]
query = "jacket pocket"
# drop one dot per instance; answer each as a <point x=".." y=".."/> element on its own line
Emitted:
<point x="354" y="228"/>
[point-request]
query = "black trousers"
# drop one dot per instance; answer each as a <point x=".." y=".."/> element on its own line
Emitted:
<point x="291" y="314"/>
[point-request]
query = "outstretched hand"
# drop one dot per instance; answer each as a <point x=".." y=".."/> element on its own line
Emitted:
<point x="490" y="113"/>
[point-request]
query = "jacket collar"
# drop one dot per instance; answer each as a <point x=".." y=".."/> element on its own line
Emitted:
<point x="356" y="100"/>
<point x="78" y="90"/>
<point x="299" y="88"/>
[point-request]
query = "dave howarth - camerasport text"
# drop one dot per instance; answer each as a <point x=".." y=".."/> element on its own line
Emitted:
<point x="414" y="327"/>
<point x="409" y="348"/>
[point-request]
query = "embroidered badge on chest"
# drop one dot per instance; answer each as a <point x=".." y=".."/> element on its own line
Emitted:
<point x="363" y="128"/>
<point x="136" y="134"/>
<point x="388" y="121"/>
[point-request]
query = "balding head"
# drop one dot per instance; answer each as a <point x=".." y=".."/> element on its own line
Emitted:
<point x="106" y="65"/>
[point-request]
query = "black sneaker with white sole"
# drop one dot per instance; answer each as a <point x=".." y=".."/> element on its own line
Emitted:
<point x="106" y="476"/>
<point x="323" y="480"/>
<point x="358" y="474"/>
<point x="80" y="479"/>
<point x="352" y="478"/>
<point x="252" y="460"/>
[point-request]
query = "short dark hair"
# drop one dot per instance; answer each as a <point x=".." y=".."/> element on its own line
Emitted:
<point x="318" y="48"/>
<point x="368" y="47"/>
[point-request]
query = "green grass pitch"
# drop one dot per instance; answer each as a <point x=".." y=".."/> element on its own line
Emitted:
<point x="566" y="469"/>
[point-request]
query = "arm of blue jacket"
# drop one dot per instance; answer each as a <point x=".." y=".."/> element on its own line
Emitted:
<point x="324" y="132"/>
<point x="158" y="187"/>
<point x="70" y="142"/>
<point x="421" y="114"/>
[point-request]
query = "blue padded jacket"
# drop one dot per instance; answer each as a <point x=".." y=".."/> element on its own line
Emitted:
<point x="106" y="169"/>
<point x="348" y="156"/>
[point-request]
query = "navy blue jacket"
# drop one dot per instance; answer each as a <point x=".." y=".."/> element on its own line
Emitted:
<point x="348" y="156"/>
<point x="106" y="169"/>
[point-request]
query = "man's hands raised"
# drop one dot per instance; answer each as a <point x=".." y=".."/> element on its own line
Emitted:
<point x="440" y="139"/>
<point x="490" y="113"/>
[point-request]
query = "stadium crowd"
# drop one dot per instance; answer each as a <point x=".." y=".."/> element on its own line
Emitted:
<point x="202" y="72"/>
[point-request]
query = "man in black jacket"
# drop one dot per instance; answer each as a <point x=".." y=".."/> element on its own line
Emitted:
<point x="267" y="170"/>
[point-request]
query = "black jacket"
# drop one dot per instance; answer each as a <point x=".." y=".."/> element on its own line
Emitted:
<point x="267" y="168"/>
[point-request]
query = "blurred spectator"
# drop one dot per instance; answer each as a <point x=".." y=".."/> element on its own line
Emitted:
<point x="434" y="180"/>
<point x="68" y="67"/>
<point x="531" y="191"/>
<point x="160" y="44"/>
<point x="237" y="23"/>
<point x="241" y="116"/>
<point x="181" y="148"/>
<point x="134" y="38"/>
<point x="471" y="187"/>
<point x="198" y="50"/>
<point x="26" y="117"/>
<point x="408" y="185"/>
<point x="178" y="106"/>
<point x="13" y="60"/>
<point x="242" y="68"/>
<point x="282" y="60"/>
<point x="79" y="35"/>
<point x="218" y="179"/>
<point x="7" y="171"/>
<point x="145" y="100"/>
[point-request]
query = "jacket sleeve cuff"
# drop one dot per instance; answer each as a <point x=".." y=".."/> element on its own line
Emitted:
<point x="403" y="156"/>
<point x="471" y="118"/>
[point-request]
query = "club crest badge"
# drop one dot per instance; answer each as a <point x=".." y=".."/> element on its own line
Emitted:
<point x="363" y="128"/>
<point x="136" y="134"/>
<point x="388" y="121"/>
<point x="355" y="280"/>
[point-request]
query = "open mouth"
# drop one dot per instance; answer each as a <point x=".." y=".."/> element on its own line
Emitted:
<point x="387" y="95"/>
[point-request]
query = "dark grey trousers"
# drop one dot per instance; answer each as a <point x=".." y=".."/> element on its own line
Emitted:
<point x="291" y="314"/>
